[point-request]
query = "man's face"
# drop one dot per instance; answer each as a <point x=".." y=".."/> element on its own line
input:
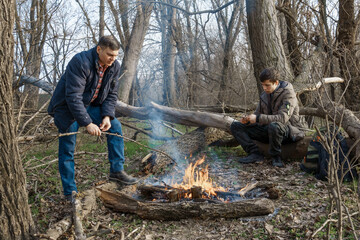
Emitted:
<point x="269" y="87"/>
<point x="106" y="55"/>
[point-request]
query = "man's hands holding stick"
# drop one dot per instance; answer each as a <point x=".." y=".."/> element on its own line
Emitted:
<point x="94" y="130"/>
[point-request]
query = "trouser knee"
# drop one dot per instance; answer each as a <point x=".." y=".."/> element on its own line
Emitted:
<point x="236" y="126"/>
<point x="276" y="128"/>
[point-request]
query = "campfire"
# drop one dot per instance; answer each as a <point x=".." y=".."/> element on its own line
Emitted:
<point x="197" y="183"/>
<point x="196" y="196"/>
<point x="197" y="186"/>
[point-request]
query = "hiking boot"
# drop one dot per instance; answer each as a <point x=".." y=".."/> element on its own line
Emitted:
<point x="69" y="198"/>
<point x="276" y="162"/>
<point x="123" y="178"/>
<point x="251" y="158"/>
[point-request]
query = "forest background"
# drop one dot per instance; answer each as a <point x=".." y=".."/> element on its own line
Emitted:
<point x="184" y="54"/>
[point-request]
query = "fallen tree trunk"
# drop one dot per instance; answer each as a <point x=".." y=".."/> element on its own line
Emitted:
<point x="176" y="211"/>
<point x="190" y="118"/>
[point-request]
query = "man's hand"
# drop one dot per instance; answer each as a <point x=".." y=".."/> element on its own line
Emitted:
<point x="251" y="118"/>
<point x="105" y="125"/>
<point x="93" y="129"/>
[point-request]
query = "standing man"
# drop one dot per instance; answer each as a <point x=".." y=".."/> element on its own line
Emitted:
<point x="86" y="96"/>
<point x="276" y="120"/>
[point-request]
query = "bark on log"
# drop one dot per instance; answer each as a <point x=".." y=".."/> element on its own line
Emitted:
<point x="190" y="118"/>
<point x="77" y="212"/>
<point x="176" y="211"/>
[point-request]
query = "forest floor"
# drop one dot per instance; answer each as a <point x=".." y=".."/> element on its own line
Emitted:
<point x="301" y="209"/>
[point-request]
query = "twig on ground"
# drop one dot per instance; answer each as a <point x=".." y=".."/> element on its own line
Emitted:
<point x="141" y="232"/>
<point x="130" y="234"/>
<point x="331" y="220"/>
<point x="44" y="164"/>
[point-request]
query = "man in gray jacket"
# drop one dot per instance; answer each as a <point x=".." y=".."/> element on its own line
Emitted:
<point x="276" y="120"/>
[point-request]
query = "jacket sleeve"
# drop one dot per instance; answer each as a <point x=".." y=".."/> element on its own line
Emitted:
<point x="108" y="106"/>
<point x="285" y="111"/>
<point x="74" y="89"/>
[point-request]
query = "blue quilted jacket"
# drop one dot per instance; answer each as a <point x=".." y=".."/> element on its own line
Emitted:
<point x="76" y="88"/>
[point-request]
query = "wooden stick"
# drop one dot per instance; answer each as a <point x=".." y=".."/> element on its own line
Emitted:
<point x="248" y="188"/>
<point x="131" y="140"/>
<point x="173" y="129"/>
<point x="76" y="204"/>
<point x="44" y="164"/>
<point x="106" y="133"/>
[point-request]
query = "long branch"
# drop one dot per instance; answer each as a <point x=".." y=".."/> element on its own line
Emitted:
<point x="126" y="138"/>
<point x="196" y="13"/>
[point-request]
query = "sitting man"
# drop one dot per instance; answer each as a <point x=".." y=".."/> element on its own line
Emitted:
<point x="276" y="120"/>
<point x="86" y="96"/>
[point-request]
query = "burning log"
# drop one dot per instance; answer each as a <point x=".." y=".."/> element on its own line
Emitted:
<point x="182" y="210"/>
<point x="196" y="192"/>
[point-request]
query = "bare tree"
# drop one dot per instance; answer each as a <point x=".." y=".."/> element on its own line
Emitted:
<point x="166" y="18"/>
<point x="267" y="48"/>
<point x="348" y="53"/>
<point x="231" y="28"/>
<point x="15" y="216"/>
<point x="133" y="48"/>
<point x="31" y="34"/>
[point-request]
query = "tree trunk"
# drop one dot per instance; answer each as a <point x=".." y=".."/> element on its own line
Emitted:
<point x="349" y="61"/>
<point x="35" y="30"/>
<point x="168" y="15"/>
<point x="186" y="39"/>
<point x="133" y="48"/>
<point x="102" y="18"/>
<point x="293" y="48"/>
<point x="231" y="32"/>
<point x="15" y="216"/>
<point x="265" y="39"/>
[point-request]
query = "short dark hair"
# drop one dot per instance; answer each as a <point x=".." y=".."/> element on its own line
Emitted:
<point x="109" y="41"/>
<point x="269" y="74"/>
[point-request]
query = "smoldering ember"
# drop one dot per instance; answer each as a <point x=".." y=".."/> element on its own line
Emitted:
<point x="181" y="120"/>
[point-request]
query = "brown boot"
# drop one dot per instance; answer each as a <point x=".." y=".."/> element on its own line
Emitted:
<point x="123" y="178"/>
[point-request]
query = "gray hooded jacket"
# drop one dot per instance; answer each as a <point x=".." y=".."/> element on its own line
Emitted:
<point x="281" y="106"/>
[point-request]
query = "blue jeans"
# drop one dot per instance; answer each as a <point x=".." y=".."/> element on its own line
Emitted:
<point x="67" y="148"/>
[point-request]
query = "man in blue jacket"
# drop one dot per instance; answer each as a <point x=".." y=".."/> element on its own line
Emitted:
<point x="86" y="96"/>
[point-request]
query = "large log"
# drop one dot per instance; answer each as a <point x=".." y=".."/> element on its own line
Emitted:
<point x="190" y="118"/>
<point x="182" y="210"/>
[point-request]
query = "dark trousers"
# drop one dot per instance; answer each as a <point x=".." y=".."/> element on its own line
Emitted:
<point x="274" y="133"/>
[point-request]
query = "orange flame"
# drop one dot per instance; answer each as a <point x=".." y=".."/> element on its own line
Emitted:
<point x="200" y="178"/>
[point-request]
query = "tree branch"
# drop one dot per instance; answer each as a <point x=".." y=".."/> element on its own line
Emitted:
<point x="199" y="12"/>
